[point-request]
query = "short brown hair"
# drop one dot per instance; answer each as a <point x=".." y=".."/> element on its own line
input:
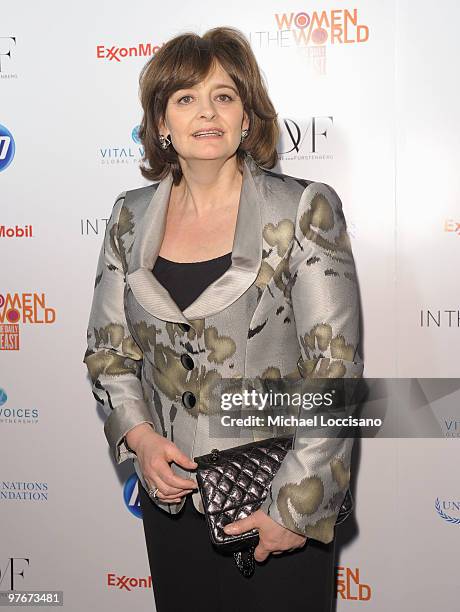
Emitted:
<point x="183" y="62"/>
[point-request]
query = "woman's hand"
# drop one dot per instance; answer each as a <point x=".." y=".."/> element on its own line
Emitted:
<point x="155" y="453"/>
<point x="273" y="537"/>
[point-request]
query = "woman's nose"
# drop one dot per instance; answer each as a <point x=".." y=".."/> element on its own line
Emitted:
<point x="207" y="110"/>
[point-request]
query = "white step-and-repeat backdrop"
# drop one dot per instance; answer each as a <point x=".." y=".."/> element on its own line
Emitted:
<point x="368" y="100"/>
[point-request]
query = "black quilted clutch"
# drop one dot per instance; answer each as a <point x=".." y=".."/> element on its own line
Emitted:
<point x="234" y="483"/>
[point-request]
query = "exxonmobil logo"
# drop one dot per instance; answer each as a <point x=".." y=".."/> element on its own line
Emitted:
<point x="18" y="231"/>
<point x="128" y="583"/>
<point x="117" y="54"/>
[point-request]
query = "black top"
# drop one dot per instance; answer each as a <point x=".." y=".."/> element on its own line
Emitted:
<point x="185" y="281"/>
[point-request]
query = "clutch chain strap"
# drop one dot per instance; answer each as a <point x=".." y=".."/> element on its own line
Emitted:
<point x="245" y="562"/>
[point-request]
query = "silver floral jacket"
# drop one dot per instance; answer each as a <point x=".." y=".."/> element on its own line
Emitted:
<point x="287" y="307"/>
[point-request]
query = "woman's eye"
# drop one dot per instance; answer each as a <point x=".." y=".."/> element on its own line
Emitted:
<point x="225" y="96"/>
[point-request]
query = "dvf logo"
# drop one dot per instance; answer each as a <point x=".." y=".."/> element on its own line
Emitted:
<point x="14" y="567"/>
<point x="7" y="147"/>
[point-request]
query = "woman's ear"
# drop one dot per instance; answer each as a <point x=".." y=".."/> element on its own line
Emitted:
<point x="162" y="129"/>
<point x="245" y="125"/>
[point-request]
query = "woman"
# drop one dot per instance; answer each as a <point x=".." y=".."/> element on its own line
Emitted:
<point x="221" y="269"/>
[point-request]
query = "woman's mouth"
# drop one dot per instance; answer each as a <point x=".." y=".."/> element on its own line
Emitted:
<point x="208" y="134"/>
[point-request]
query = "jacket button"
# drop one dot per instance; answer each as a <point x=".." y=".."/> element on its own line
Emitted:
<point x="187" y="361"/>
<point x="184" y="327"/>
<point x="188" y="399"/>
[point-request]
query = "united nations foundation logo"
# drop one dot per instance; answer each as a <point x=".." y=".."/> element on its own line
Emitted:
<point x="449" y="510"/>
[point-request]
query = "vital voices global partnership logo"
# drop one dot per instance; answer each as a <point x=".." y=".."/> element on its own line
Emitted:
<point x="12" y="415"/>
<point x="7" y="147"/>
<point x="451" y="427"/>
<point x="25" y="308"/>
<point x="130" y="152"/>
<point x="312" y="32"/>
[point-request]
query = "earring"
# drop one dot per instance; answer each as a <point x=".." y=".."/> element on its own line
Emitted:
<point x="244" y="134"/>
<point x="164" y="141"/>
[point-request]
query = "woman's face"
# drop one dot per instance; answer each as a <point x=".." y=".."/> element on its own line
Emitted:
<point x="212" y="104"/>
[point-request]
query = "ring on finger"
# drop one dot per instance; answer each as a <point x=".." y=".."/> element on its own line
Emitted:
<point x="153" y="493"/>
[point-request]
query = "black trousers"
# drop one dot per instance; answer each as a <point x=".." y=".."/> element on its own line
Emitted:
<point x="190" y="575"/>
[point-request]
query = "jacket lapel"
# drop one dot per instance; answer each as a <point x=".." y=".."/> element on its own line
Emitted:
<point x="246" y="255"/>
